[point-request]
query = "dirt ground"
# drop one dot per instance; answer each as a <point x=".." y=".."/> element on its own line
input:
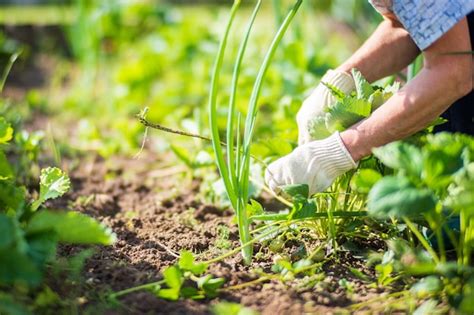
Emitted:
<point x="152" y="206"/>
<point x="156" y="214"/>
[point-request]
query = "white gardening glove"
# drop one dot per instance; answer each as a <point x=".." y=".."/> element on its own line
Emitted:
<point x="316" y="164"/>
<point x="319" y="99"/>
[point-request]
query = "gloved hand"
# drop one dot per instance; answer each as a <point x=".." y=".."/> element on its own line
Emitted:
<point x="319" y="99"/>
<point x="316" y="164"/>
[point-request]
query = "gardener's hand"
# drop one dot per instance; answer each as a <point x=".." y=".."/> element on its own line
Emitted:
<point x="319" y="99"/>
<point x="316" y="164"/>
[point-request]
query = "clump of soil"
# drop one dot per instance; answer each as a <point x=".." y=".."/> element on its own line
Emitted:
<point x="155" y="216"/>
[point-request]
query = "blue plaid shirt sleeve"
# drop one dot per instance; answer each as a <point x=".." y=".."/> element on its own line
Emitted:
<point x="427" y="20"/>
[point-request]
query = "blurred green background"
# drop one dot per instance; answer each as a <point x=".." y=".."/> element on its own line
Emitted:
<point x="87" y="67"/>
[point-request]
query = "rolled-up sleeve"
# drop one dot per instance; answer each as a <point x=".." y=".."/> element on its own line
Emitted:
<point x="428" y="20"/>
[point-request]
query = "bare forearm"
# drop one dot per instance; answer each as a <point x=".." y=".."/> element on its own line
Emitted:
<point x="388" y="50"/>
<point x="444" y="79"/>
<point x="409" y="111"/>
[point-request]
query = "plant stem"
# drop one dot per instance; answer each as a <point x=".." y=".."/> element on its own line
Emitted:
<point x="244" y="172"/>
<point x="137" y="288"/>
<point x="8" y="67"/>
<point x="252" y="110"/>
<point x="317" y="215"/>
<point x="422" y="240"/>
<point x="156" y="126"/>
<point x="252" y="241"/>
<point x="249" y="283"/>
<point x="233" y="96"/>
<point x="216" y="142"/>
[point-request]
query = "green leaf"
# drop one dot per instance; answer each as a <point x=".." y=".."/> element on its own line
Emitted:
<point x="317" y="128"/>
<point x="210" y="285"/>
<point x="439" y="166"/>
<point x="5" y="168"/>
<point x="364" y="180"/>
<point x="186" y="262"/>
<point x="398" y="197"/>
<point x="9" y="306"/>
<point x="17" y="267"/>
<point x="401" y="156"/>
<point x="306" y="210"/>
<point x="11" y="197"/>
<point x="227" y="308"/>
<point x="301" y="190"/>
<point x="191" y="293"/>
<point x="301" y="265"/>
<point x="427" y="308"/>
<point x="461" y="192"/>
<point x="467" y="303"/>
<point x="6" y="131"/>
<point x="338" y="94"/>
<point x="71" y="227"/>
<point x="173" y="277"/>
<point x="427" y="285"/>
<point x="53" y="183"/>
<point x="168" y="294"/>
<point x="343" y="115"/>
<point x="7" y="231"/>
<point x="254" y="208"/>
<point x="378" y="98"/>
<point x="363" y="88"/>
<point x="42" y="247"/>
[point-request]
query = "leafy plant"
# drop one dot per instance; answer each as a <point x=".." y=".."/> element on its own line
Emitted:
<point x="350" y="108"/>
<point x="30" y="233"/>
<point x="185" y="279"/>
<point x="431" y="191"/>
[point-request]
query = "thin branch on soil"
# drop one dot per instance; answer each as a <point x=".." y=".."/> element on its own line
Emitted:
<point x="167" y="249"/>
<point x="142" y="118"/>
<point x="147" y="286"/>
<point x="147" y="123"/>
<point x="142" y="147"/>
<point x="249" y="283"/>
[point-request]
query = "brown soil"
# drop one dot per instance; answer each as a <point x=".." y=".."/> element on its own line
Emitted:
<point x="156" y="215"/>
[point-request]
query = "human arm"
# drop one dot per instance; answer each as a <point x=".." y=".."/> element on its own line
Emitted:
<point x="444" y="78"/>
<point x="387" y="51"/>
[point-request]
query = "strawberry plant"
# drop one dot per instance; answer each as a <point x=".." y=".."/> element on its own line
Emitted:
<point x="30" y="232"/>
<point x="431" y="192"/>
<point x="350" y="108"/>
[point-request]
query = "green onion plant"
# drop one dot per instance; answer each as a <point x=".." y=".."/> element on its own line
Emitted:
<point x="235" y="170"/>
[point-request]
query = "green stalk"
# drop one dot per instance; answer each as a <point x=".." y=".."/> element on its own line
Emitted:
<point x="233" y="94"/>
<point x="469" y="234"/>
<point x="252" y="110"/>
<point x="142" y="287"/>
<point x="317" y="215"/>
<point x="422" y="240"/>
<point x="216" y="141"/>
<point x="244" y="172"/>
<point x="237" y="140"/>
<point x="8" y="67"/>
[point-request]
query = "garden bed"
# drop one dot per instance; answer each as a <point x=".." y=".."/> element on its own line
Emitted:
<point x="155" y="218"/>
